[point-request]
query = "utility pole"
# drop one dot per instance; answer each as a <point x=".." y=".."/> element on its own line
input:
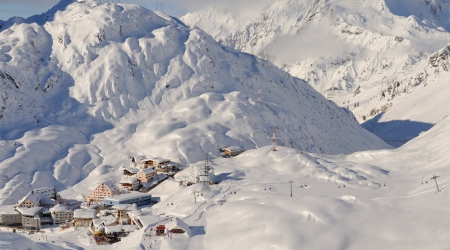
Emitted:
<point x="195" y="196"/>
<point x="290" y="182"/>
<point x="434" y="178"/>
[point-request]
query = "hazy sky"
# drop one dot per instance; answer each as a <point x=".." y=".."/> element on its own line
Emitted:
<point x="26" y="8"/>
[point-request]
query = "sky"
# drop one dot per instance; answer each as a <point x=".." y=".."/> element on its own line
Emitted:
<point x="26" y="8"/>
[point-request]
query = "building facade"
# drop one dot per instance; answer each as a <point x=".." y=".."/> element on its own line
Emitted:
<point x="9" y="216"/>
<point x="129" y="183"/>
<point x="145" y="175"/>
<point x="61" y="214"/>
<point x="83" y="217"/>
<point x="140" y="199"/>
<point x="105" y="189"/>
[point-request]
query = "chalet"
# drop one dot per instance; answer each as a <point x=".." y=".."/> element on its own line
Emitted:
<point x="130" y="172"/>
<point x="61" y="214"/>
<point x="129" y="183"/>
<point x="177" y="226"/>
<point x="83" y="217"/>
<point x="145" y="174"/>
<point x="154" y="162"/>
<point x="39" y="197"/>
<point x="233" y="151"/>
<point x="105" y="189"/>
<point x="122" y="210"/>
<point x="167" y="168"/>
<point x="146" y="163"/>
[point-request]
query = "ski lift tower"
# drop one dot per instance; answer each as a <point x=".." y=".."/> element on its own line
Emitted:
<point x="204" y="175"/>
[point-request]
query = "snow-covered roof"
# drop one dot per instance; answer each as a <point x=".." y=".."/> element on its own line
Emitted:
<point x="156" y="159"/>
<point x="48" y="201"/>
<point x="128" y="180"/>
<point x="120" y="228"/>
<point x="176" y="223"/>
<point x="29" y="211"/>
<point x="143" y="219"/>
<point x="8" y="209"/>
<point x="147" y="170"/>
<point x="127" y="196"/>
<point x="105" y="221"/>
<point x="34" y="197"/>
<point x="234" y="148"/>
<point x="111" y="185"/>
<point x="60" y="208"/>
<point x="84" y="213"/>
<point x="124" y="207"/>
<point x="132" y="170"/>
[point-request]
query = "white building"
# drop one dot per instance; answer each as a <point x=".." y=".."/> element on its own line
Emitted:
<point x="9" y="216"/>
<point x="83" y="217"/>
<point x="61" y="214"/>
<point x="130" y="183"/>
<point x="30" y="217"/>
<point x="39" y="197"/>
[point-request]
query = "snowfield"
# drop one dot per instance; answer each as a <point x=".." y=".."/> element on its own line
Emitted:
<point x="107" y="81"/>
<point x="367" y="56"/>
<point x="86" y="86"/>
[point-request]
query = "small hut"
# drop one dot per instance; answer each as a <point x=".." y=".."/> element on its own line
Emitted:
<point x="233" y="151"/>
<point x="177" y="226"/>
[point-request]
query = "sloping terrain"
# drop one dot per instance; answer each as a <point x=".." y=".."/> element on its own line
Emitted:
<point x="339" y="47"/>
<point x="86" y="85"/>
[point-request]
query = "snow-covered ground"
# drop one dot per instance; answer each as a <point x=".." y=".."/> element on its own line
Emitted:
<point x="87" y="85"/>
<point x="366" y="200"/>
<point x="103" y="82"/>
<point x="367" y="56"/>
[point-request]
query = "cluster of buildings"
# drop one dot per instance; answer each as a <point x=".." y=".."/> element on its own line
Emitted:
<point x="110" y="209"/>
<point x="32" y="210"/>
<point x="136" y="175"/>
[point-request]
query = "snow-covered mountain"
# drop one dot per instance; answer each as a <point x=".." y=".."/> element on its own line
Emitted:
<point x="412" y="102"/>
<point x="339" y="47"/>
<point x="86" y="84"/>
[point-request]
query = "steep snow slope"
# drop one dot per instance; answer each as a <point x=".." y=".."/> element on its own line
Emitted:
<point x="412" y="102"/>
<point x="87" y="84"/>
<point x="338" y="46"/>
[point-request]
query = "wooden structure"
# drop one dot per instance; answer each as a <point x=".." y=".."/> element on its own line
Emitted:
<point x="145" y="175"/>
<point x="129" y="183"/>
<point x="177" y="226"/>
<point x="233" y="151"/>
<point x="130" y="172"/>
<point x="154" y="162"/>
<point x="160" y="230"/>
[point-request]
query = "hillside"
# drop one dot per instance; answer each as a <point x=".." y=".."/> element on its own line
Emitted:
<point x="339" y="47"/>
<point x="86" y="85"/>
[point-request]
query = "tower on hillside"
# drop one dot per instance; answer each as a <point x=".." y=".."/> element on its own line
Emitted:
<point x="274" y="140"/>
<point x="204" y="175"/>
